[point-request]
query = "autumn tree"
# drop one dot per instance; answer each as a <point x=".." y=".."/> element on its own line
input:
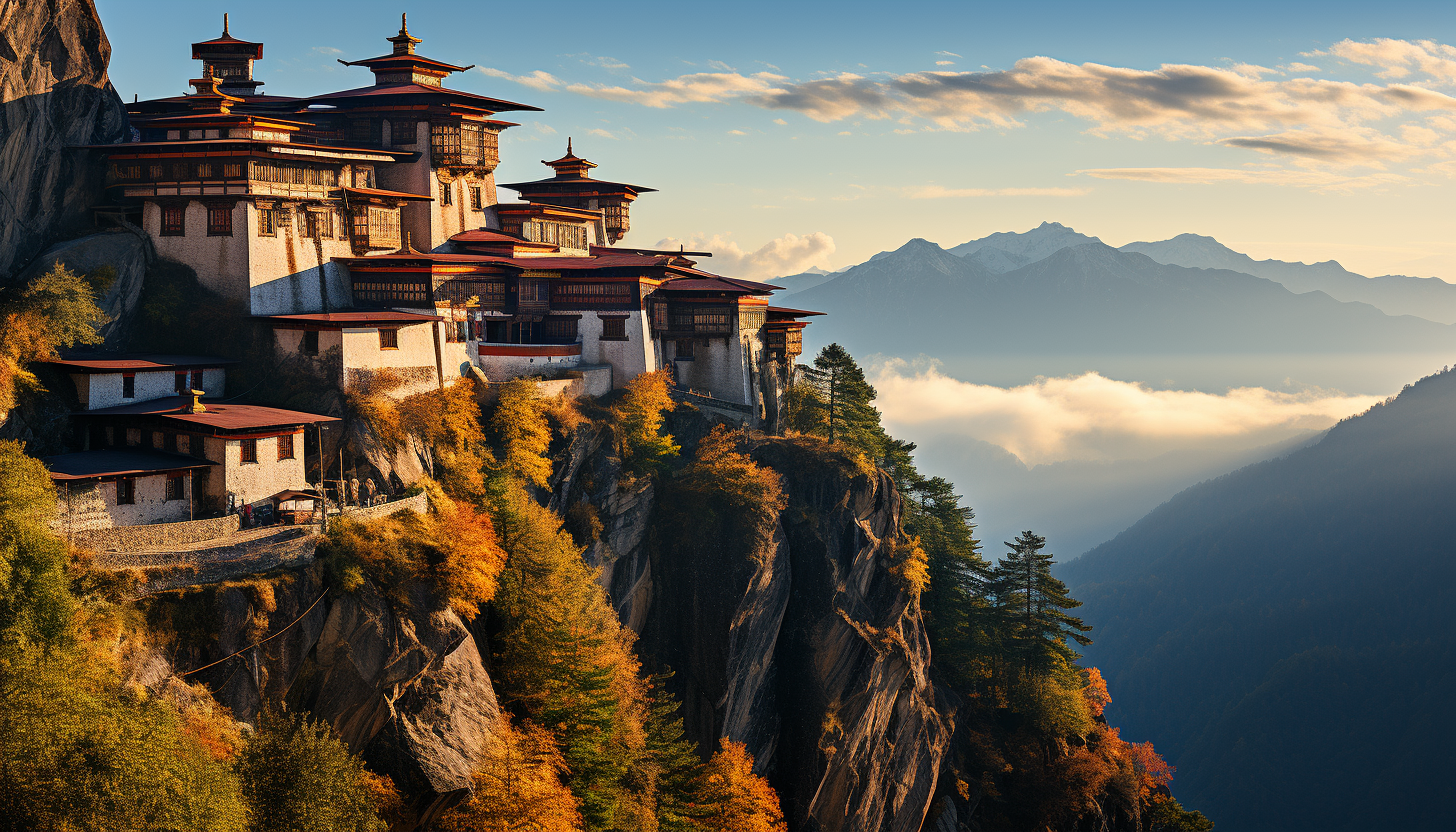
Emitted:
<point x="520" y="430"/>
<point x="724" y="497"/>
<point x="35" y="603"/>
<point x="517" y="785"/>
<point x="739" y="800"/>
<point x="56" y="310"/>
<point x="804" y="409"/>
<point x="448" y="422"/>
<point x="645" y="449"/>
<point x="298" y="777"/>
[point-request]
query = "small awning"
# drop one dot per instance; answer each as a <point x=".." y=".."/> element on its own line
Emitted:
<point x="294" y="494"/>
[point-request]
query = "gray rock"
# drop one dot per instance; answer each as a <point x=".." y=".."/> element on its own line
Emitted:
<point x="127" y="251"/>
<point x="54" y="96"/>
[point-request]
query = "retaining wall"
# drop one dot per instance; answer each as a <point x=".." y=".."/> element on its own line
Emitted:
<point x="419" y="504"/>
<point x="157" y="535"/>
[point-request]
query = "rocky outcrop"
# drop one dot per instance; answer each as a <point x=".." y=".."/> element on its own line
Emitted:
<point x="812" y="652"/>
<point x="54" y="96"/>
<point x="401" y="683"/>
<point x="119" y="258"/>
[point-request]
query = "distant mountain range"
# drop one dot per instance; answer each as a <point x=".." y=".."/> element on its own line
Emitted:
<point x="1283" y="633"/>
<point x="1053" y="289"/>
<point x="1075" y="294"/>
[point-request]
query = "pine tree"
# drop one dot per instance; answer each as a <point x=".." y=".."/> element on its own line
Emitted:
<point x="1032" y="605"/>
<point x="960" y="620"/>
<point x="849" y="415"/>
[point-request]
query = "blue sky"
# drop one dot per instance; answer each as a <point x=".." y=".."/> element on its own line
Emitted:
<point x="787" y="135"/>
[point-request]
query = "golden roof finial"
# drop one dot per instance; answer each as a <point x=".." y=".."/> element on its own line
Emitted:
<point x="225" y="26"/>
<point x="404" y="42"/>
<point x="404" y="23"/>
<point x="568" y="146"/>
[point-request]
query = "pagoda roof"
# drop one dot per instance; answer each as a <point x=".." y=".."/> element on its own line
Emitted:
<point x="714" y="283"/>
<point x="570" y="160"/>
<point x="577" y="183"/>
<point x="786" y="312"/>
<point x="135" y="362"/>
<point x="90" y="465"/>
<point x="228" y="42"/>
<point x="358" y="317"/>
<point x="407" y="59"/>
<point x="494" y="105"/>
<point x="217" y="416"/>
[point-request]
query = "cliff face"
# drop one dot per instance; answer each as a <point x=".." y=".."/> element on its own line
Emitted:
<point x="54" y="94"/>
<point x="811" y="653"/>
<point x="406" y="688"/>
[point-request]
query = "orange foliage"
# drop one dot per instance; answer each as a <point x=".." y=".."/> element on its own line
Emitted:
<point x="1095" y="693"/>
<point x="741" y="800"/>
<point x="518" y="786"/>
<point x="382" y="793"/>
<point x="1153" y="771"/>
<point x="472" y="555"/>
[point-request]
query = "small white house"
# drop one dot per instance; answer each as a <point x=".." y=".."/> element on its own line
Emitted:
<point x="124" y="487"/>
<point x="105" y="380"/>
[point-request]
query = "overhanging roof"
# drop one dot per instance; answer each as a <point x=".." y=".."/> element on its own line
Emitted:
<point x="90" y="465"/>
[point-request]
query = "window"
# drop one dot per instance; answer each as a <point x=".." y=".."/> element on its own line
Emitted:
<point x="531" y="291"/>
<point x="285" y="446"/>
<point x="383" y="226"/>
<point x="445" y="144"/>
<point x="685" y="350"/>
<point x="126" y="491"/>
<point x="179" y="383"/>
<point x="194" y="135"/>
<point x="475" y="199"/>
<point x="286" y="173"/>
<point x="155" y="172"/>
<point x="401" y="133"/>
<point x="174" y="487"/>
<point x="232" y="170"/>
<point x="219" y="221"/>
<point x="389" y="339"/>
<point x="174" y="135"/>
<point x="447" y="193"/>
<point x="172" y="220"/>
<point x="310" y="342"/>
<point x="204" y="170"/>
<point x="614" y="329"/>
<point x="128" y="386"/>
<point x="267" y="222"/>
<point x="196" y="380"/>
<point x="318" y="225"/>
<point x="561" y="234"/>
<point x="249" y="450"/>
<point x="559" y="330"/>
<point x="364" y="177"/>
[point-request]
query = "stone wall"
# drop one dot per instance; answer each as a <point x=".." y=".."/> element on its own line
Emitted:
<point x="419" y="504"/>
<point x="157" y="535"/>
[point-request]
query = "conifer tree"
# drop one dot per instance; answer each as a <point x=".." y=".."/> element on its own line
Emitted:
<point x="645" y="448"/>
<point x="960" y="620"/>
<point x="1033" y="606"/>
<point x="520" y="427"/>
<point x="849" y="415"/>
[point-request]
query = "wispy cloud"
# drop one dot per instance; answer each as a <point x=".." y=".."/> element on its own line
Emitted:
<point x="1314" y="179"/>
<point x="789" y="254"/>
<point x="538" y="80"/>
<point x="1091" y="417"/>
<point x="602" y="61"/>
<point x="1398" y="58"/>
<point x="328" y="50"/>
<point x="605" y="134"/>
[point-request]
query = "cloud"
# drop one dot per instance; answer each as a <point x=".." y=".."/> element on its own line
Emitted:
<point x="597" y="131"/>
<point x="780" y="122"/>
<point x="328" y="50"/>
<point x="1347" y="146"/>
<point x="737" y="133"/>
<point x="1315" y="179"/>
<point x="1091" y="417"/>
<point x="1398" y="58"/>
<point x="602" y="61"/>
<point x="1299" y="67"/>
<point x="949" y="54"/>
<point x="538" y="80"/>
<point x="698" y="87"/>
<point x="789" y="254"/>
<point x="945" y="63"/>
<point x="938" y="192"/>
<point x="720" y="66"/>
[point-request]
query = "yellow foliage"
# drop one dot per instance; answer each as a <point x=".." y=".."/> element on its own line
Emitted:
<point x="448" y="421"/>
<point x="517" y="786"/>
<point x="909" y="563"/>
<point x="742" y="801"/>
<point x="520" y="427"/>
<point x="724" y="493"/>
<point x="639" y="421"/>
<point x="58" y="309"/>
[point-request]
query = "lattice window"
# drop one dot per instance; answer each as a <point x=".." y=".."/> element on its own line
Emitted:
<point x="389" y="339"/>
<point x="173" y="220"/>
<point x="561" y="330"/>
<point x="204" y="170"/>
<point x="248" y="450"/>
<point x="174" y="487"/>
<point x="615" y="328"/>
<point x="561" y="234"/>
<point x="475" y="201"/>
<point x="126" y="491"/>
<point x="604" y="293"/>
<point x="267" y="222"/>
<point x="318" y="225"/>
<point x="219" y="221"/>
<point x="232" y="170"/>
<point x="285" y="446"/>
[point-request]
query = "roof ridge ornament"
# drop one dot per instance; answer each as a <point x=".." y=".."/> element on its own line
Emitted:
<point x="404" y="42"/>
<point x="225" y="25"/>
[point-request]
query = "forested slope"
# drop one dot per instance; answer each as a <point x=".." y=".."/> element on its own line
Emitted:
<point x="1283" y="632"/>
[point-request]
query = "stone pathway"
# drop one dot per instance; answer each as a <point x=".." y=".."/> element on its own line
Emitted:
<point x="247" y="552"/>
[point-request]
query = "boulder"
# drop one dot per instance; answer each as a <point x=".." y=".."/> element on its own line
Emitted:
<point x="54" y="97"/>
<point x="125" y="251"/>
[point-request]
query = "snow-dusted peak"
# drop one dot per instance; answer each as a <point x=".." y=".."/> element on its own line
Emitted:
<point x="1033" y="245"/>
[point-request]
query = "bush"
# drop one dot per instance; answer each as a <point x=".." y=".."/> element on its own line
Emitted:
<point x="58" y="309"/>
<point x="298" y="777"/>
<point x="35" y="603"/>
<point x="77" y="753"/>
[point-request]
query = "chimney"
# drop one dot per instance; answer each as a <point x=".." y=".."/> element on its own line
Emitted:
<point x="193" y="403"/>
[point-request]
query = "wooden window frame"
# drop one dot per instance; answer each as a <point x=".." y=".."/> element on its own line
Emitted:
<point x="174" y="220"/>
<point x="267" y="222"/>
<point x="476" y="203"/>
<point x="248" y="451"/>
<point x="389" y="338"/>
<point x="308" y="344"/>
<point x="614" y="328"/>
<point x="447" y="193"/>
<point x="126" y="491"/>
<point x="176" y="490"/>
<point x="219" y="221"/>
<point x="285" y="446"/>
<point x="684" y="350"/>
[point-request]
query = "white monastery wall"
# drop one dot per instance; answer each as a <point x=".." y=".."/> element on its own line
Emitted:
<point x="221" y="263"/>
<point x="253" y="482"/>
<point x="630" y="358"/>
<point x="93" y="506"/>
<point x="504" y="367"/>
<point x="413" y="361"/>
<point x="292" y="273"/>
<point x="99" y="390"/>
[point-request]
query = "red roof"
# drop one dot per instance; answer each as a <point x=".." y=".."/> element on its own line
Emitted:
<point x="713" y="283"/>
<point x="786" y="312"/>
<point x="408" y="58"/>
<point x="495" y="105"/>
<point x="90" y="465"/>
<point x="355" y="318"/>
<point x="137" y="362"/>
<point x="220" y="417"/>
<point x="386" y="194"/>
